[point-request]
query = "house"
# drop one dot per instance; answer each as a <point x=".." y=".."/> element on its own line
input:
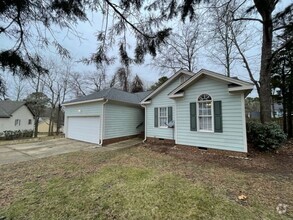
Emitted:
<point x="44" y="120"/>
<point x="205" y="109"/>
<point x="15" y="115"/>
<point x="105" y="116"/>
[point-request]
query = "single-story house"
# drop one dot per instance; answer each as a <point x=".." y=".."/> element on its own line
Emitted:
<point x="105" y="116"/>
<point x="205" y="109"/>
<point x="15" y="115"/>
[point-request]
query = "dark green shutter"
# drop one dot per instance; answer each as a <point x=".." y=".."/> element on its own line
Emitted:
<point x="170" y="114"/>
<point x="156" y="117"/>
<point x="218" y="116"/>
<point x="193" y="116"/>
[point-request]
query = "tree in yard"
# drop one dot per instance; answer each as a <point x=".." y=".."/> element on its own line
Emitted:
<point x="224" y="30"/>
<point x="160" y="82"/>
<point x="180" y="50"/>
<point x="137" y="84"/>
<point x="265" y="8"/>
<point x="282" y="73"/>
<point x="121" y="79"/>
<point x="37" y="102"/>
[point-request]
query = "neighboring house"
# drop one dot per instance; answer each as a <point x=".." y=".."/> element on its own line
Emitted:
<point x="206" y="110"/>
<point x="15" y="115"/>
<point x="104" y="117"/>
<point x="44" y="121"/>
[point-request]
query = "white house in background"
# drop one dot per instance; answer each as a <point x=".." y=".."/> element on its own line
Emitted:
<point x="205" y="109"/>
<point x="15" y="115"/>
<point x="104" y="117"/>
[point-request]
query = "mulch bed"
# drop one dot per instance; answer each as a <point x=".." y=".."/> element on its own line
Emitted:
<point x="278" y="162"/>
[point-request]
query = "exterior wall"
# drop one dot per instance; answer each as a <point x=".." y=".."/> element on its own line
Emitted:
<point x="86" y="109"/>
<point x="121" y="120"/>
<point x="233" y="136"/>
<point x="44" y="126"/>
<point x="161" y="100"/>
<point x="23" y="114"/>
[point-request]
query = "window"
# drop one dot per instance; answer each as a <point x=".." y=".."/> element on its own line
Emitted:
<point x="163" y="117"/>
<point x="17" y="122"/>
<point x="205" y="113"/>
<point x="30" y="121"/>
<point x="182" y="79"/>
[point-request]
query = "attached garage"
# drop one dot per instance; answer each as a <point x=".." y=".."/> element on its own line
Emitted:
<point x="104" y="117"/>
<point x="84" y="129"/>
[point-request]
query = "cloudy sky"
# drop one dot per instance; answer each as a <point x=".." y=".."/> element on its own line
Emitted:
<point x="84" y="46"/>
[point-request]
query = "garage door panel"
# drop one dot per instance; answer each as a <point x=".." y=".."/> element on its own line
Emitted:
<point x="84" y="129"/>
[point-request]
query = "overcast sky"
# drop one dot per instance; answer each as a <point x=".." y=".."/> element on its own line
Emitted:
<point x="83" y="48"/>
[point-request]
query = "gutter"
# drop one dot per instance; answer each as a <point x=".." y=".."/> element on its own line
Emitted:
<point x="102" y="124"/>
<point x="81" y="102"/>
<point x="145" y="124"/>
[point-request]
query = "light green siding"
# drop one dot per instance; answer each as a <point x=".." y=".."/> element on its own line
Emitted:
<point x="233" y="135"/>
<point x="85" y="109"/>
<point x="161" y="100"/>
<point x="121" y="120"/>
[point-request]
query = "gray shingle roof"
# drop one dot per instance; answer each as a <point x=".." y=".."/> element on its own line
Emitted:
<point x="8" y="107"/>
<point x="115" y="95"/>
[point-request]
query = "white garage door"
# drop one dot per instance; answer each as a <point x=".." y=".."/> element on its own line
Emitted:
<point x="84" y="129"/>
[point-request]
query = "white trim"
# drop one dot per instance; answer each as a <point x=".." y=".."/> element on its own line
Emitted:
<point x="102" y="125"/>
<point x="178" y="95"/>
<point x="81" y="102"/>
<point x="146" y="103"/>
<point x="244" y="123"/>
<point x="145" y="122"/>
<point x="240" y="88"/>
<point x="175" y="116"/>
<point x="212" y="113"/>
<point x="243" y="85"/>
<point x="166" y="83"/>
<point x="167" y="115"/>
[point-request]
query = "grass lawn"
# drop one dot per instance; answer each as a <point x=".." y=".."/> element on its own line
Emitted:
<point x="140" y="183"/>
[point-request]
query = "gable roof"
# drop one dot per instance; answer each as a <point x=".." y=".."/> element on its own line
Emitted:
<point x="110" y="94"/>
<point x="238" y="85"/>
<point x="7" y="107"/>
<point x="171" y="79"/>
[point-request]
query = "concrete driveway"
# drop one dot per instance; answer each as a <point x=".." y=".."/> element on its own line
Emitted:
<point x="45" y="148"/>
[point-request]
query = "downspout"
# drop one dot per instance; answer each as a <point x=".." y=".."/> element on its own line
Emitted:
<point x="102" y="124"/>
<point x="145" y="124"/>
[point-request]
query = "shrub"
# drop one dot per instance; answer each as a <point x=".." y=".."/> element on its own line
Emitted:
<point x="11" y="135"/>
<point x="268" y="136"/>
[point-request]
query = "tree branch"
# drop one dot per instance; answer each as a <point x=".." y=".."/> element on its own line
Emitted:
<point x="247" y="19"/>
<point x="128" y="22"/>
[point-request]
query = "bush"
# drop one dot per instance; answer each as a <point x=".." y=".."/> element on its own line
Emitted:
<point x="11" y="135"/>
<point x="267" y="136"/>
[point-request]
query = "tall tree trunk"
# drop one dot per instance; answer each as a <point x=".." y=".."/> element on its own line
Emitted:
<point x="265" y="9"/>
<point x="265" y="71"/>
<point x="36" y="126"/>
<point x="58" y="119"/>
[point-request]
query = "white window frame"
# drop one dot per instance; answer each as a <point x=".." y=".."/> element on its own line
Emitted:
<point x="159" y="117"/>
<point x="17" y="122"/>
<point x="212" y="113"/>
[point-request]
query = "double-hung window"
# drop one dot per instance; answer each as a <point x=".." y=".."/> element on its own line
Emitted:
<point x="163" y="117"/>
<point x="205" y="113"/>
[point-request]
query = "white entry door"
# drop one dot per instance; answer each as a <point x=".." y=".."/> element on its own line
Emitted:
<point x="84" y="129"/>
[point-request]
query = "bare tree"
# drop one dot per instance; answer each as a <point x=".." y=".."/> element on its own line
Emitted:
<point x="180" y="50"/>
<point x="223" y="50"/>
<point x="78" y="84"/>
